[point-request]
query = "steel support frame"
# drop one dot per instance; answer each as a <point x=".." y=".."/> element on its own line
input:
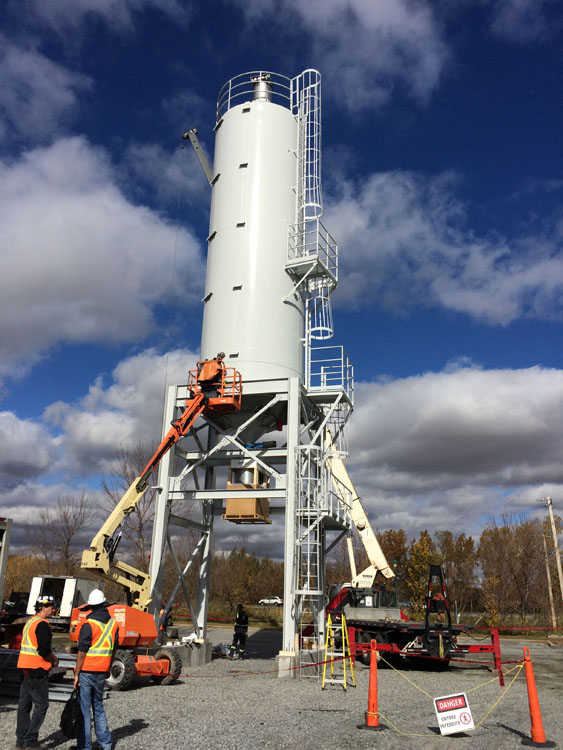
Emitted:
<point x="301" y="483"/>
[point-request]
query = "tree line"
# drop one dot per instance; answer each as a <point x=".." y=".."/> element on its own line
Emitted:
<point x="500" y="577"/>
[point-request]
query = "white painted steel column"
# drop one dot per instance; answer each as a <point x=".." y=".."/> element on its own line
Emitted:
<point x="5" y="532"/>
<point x="202" y="597"/>
<point x="290" y="569"/>
<point x="161" y="511"/>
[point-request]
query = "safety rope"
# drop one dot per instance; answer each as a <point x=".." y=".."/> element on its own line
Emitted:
<point x="518" y="668"/>
<point x="495" y="704"/>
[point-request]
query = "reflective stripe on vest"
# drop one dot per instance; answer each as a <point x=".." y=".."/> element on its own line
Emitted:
<point x="98" y="656"/>
<point x="29" y="657"/>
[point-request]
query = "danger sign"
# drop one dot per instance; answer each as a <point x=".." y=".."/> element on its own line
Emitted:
<point x="454" y="714"/>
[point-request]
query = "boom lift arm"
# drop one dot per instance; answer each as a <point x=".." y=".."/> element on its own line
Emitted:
<point x="213" y="388"/>
<point x="345" y="489"/>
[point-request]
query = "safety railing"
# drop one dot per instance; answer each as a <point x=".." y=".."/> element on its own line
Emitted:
<point x="227" y="387"/>
<point x="257" y="84"/>
<point x="310" y="241"/>
<point x="329" y="369"/>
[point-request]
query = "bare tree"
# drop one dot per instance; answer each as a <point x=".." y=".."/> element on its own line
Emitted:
<point x="58" y="539"/>
<point x="137" y="527"/>
<point x="459" y="562"/>
<point x="511" y="555"/>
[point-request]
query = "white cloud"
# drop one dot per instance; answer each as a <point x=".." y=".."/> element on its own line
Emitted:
<point x="37" y="96"/>
<point x="27" y="449"/>
<point x="82" y="263"/>
<point x="446" y="450"/>
<point x="366" y="49"/>
<point x="520" y="21"/>
<point x="186" y="108"/>
<point x="405" y="245"/>
<point x="25" y="501"/>
<point x="438" y="450"/>
<point x="166" y="176"/>
<point x="470" y="426"/>
<point x="127" y="411"/>
<point x="118" y="14"/>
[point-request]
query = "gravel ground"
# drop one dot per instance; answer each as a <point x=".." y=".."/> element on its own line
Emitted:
<point x="233" y="704"/>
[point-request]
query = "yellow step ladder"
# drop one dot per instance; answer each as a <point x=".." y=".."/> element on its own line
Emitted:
<point x="337" y="653"/>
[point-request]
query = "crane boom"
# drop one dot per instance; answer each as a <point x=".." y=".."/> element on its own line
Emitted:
<point x="345" y="489"/>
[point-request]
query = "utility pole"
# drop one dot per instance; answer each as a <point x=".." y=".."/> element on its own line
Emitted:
<point x="549" y="591"/>
<point x="548" y="501"/>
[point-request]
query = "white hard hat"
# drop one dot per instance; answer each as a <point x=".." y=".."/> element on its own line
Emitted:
<point x="97" y="596"/>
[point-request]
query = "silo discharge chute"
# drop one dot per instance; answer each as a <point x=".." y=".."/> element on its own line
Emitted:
<point x="247" y="476"/>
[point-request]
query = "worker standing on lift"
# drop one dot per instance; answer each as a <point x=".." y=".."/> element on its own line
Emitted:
<point x="241" y="633"/>
<point x="35" y="659"/>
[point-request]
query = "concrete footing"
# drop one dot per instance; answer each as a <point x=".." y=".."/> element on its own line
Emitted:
<point x="194" y="654"/>
<point x="286" y="661"/>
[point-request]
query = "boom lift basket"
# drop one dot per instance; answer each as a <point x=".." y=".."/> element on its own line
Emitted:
<point x="222" y="386"/>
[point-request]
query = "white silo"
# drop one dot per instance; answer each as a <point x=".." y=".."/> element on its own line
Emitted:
<point x="271" y="269"/>
<point x="251" y="310"/>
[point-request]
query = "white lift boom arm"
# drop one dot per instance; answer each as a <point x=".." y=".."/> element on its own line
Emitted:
<point x="345" y="489"/>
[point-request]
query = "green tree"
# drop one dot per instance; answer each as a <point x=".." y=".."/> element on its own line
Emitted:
<point x="235" y="576"/>
<point x="395" y="548"/>
<point x="421" y="554"/>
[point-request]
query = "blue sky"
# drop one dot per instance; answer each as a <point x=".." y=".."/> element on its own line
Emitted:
<point x="443" y="185"/>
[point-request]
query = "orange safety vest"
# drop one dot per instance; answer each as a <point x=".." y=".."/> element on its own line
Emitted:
<point x="29" y="657"/>
<point x="98" y="656"/>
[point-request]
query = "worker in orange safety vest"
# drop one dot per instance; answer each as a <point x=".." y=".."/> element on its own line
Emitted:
<point x="35" y="660"/>
<point x="96" y="642"/>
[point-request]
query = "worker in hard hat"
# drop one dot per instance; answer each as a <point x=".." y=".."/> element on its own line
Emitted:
<point x="96" y="641"/>
<point x="35" y="660"/>
<point x="240" y="634"/>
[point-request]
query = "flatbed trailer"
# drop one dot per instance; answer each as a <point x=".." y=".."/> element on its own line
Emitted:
<point x="371" y="615"/>
<point x="407" y="640"/>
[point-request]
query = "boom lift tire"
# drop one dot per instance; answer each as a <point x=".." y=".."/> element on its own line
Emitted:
<point x="122" y="671"/>
<point x="174" y="670"/>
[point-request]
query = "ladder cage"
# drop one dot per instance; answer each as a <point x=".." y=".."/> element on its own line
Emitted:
<point x="306" y="104"/>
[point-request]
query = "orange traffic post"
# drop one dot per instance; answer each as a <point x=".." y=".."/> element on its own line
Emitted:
<point x="372" y="715"/>
<point x="538" y="735"/>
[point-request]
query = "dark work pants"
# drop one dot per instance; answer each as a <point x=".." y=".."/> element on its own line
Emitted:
<point x="34" y="693"/>
<point x="239" y="639"/>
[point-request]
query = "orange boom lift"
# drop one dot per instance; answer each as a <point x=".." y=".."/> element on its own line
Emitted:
<point x="213" y="389"/>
